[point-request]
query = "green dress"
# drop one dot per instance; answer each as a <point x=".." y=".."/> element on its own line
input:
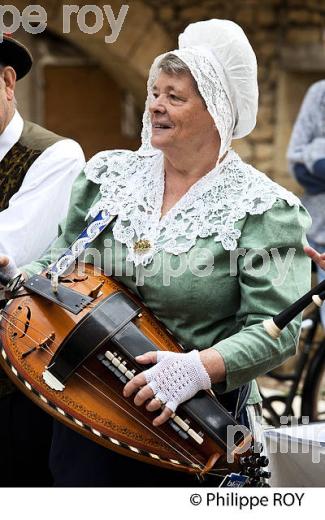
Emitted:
<point x="221" y="297"/>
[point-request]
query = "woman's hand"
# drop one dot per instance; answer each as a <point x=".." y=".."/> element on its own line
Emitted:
<point x="174" y="378"/>
<point x="318" y="258"/>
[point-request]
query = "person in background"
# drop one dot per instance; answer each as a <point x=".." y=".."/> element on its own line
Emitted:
<point x="37" y="170"/>
<point x="306" y="156"/>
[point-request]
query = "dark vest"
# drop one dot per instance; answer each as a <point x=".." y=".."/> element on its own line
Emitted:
<point x="13" y="168"/>
<point x="16" y="163"/>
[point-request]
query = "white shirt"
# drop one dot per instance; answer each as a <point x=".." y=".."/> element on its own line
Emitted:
<point x="30" y="223"/>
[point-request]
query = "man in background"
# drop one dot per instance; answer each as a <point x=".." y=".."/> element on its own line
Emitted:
<point x="37" y="170"/>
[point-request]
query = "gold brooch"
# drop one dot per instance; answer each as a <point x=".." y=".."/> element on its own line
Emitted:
<point x="142" y="246"/>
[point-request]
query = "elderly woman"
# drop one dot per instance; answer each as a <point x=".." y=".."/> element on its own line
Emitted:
<point x="211" y="245"/>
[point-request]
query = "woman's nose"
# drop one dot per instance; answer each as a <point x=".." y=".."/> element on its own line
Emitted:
<point x="157" y="104"/>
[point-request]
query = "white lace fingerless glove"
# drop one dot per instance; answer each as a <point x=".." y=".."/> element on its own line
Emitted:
<point x="177" y="377"/>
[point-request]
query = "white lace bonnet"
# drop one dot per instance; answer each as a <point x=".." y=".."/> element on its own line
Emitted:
<point x="223" y="63"/>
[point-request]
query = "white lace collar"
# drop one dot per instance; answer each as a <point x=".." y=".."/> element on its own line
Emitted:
<point x="132" y="187"/>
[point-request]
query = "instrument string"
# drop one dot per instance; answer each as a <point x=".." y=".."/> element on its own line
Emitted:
<point x="50" y="352"/>
<point x="47" y="349"/>
<point x="146" y="329"/>
<point x="188" y="455"/>
<point x="81" y="322"/>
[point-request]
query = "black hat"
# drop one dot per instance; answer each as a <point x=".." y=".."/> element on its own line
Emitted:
<point x="16" y="55"/>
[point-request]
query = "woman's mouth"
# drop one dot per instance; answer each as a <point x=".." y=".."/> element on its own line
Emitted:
<point x="159" y="128"/>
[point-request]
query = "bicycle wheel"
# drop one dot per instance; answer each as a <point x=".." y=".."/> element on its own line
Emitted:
<point x="273" y="409"/>
<point x="313" y="398"/>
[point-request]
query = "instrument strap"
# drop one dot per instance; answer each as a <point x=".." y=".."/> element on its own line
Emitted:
<point x="243" y="395"/>
<point x="86" y="237"/>
<point x="235" y="400"/>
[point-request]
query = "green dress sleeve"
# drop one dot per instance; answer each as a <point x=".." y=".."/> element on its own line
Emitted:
<point x="84" y="194"/>
<point x="271" y="240"/>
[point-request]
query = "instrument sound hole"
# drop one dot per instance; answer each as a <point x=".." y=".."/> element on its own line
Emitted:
<point x="27" y="321"/>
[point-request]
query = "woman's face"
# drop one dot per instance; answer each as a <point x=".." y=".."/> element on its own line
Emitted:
<point x="179" y="117"/>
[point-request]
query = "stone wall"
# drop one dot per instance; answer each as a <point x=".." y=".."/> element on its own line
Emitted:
<point x="128" y="59"/>
<point x="287" y="36"/>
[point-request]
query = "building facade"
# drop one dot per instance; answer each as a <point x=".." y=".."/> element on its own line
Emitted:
<point x="101" y="86"/>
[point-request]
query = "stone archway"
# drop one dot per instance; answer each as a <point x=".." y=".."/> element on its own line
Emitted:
<point x="127" y="60"/>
